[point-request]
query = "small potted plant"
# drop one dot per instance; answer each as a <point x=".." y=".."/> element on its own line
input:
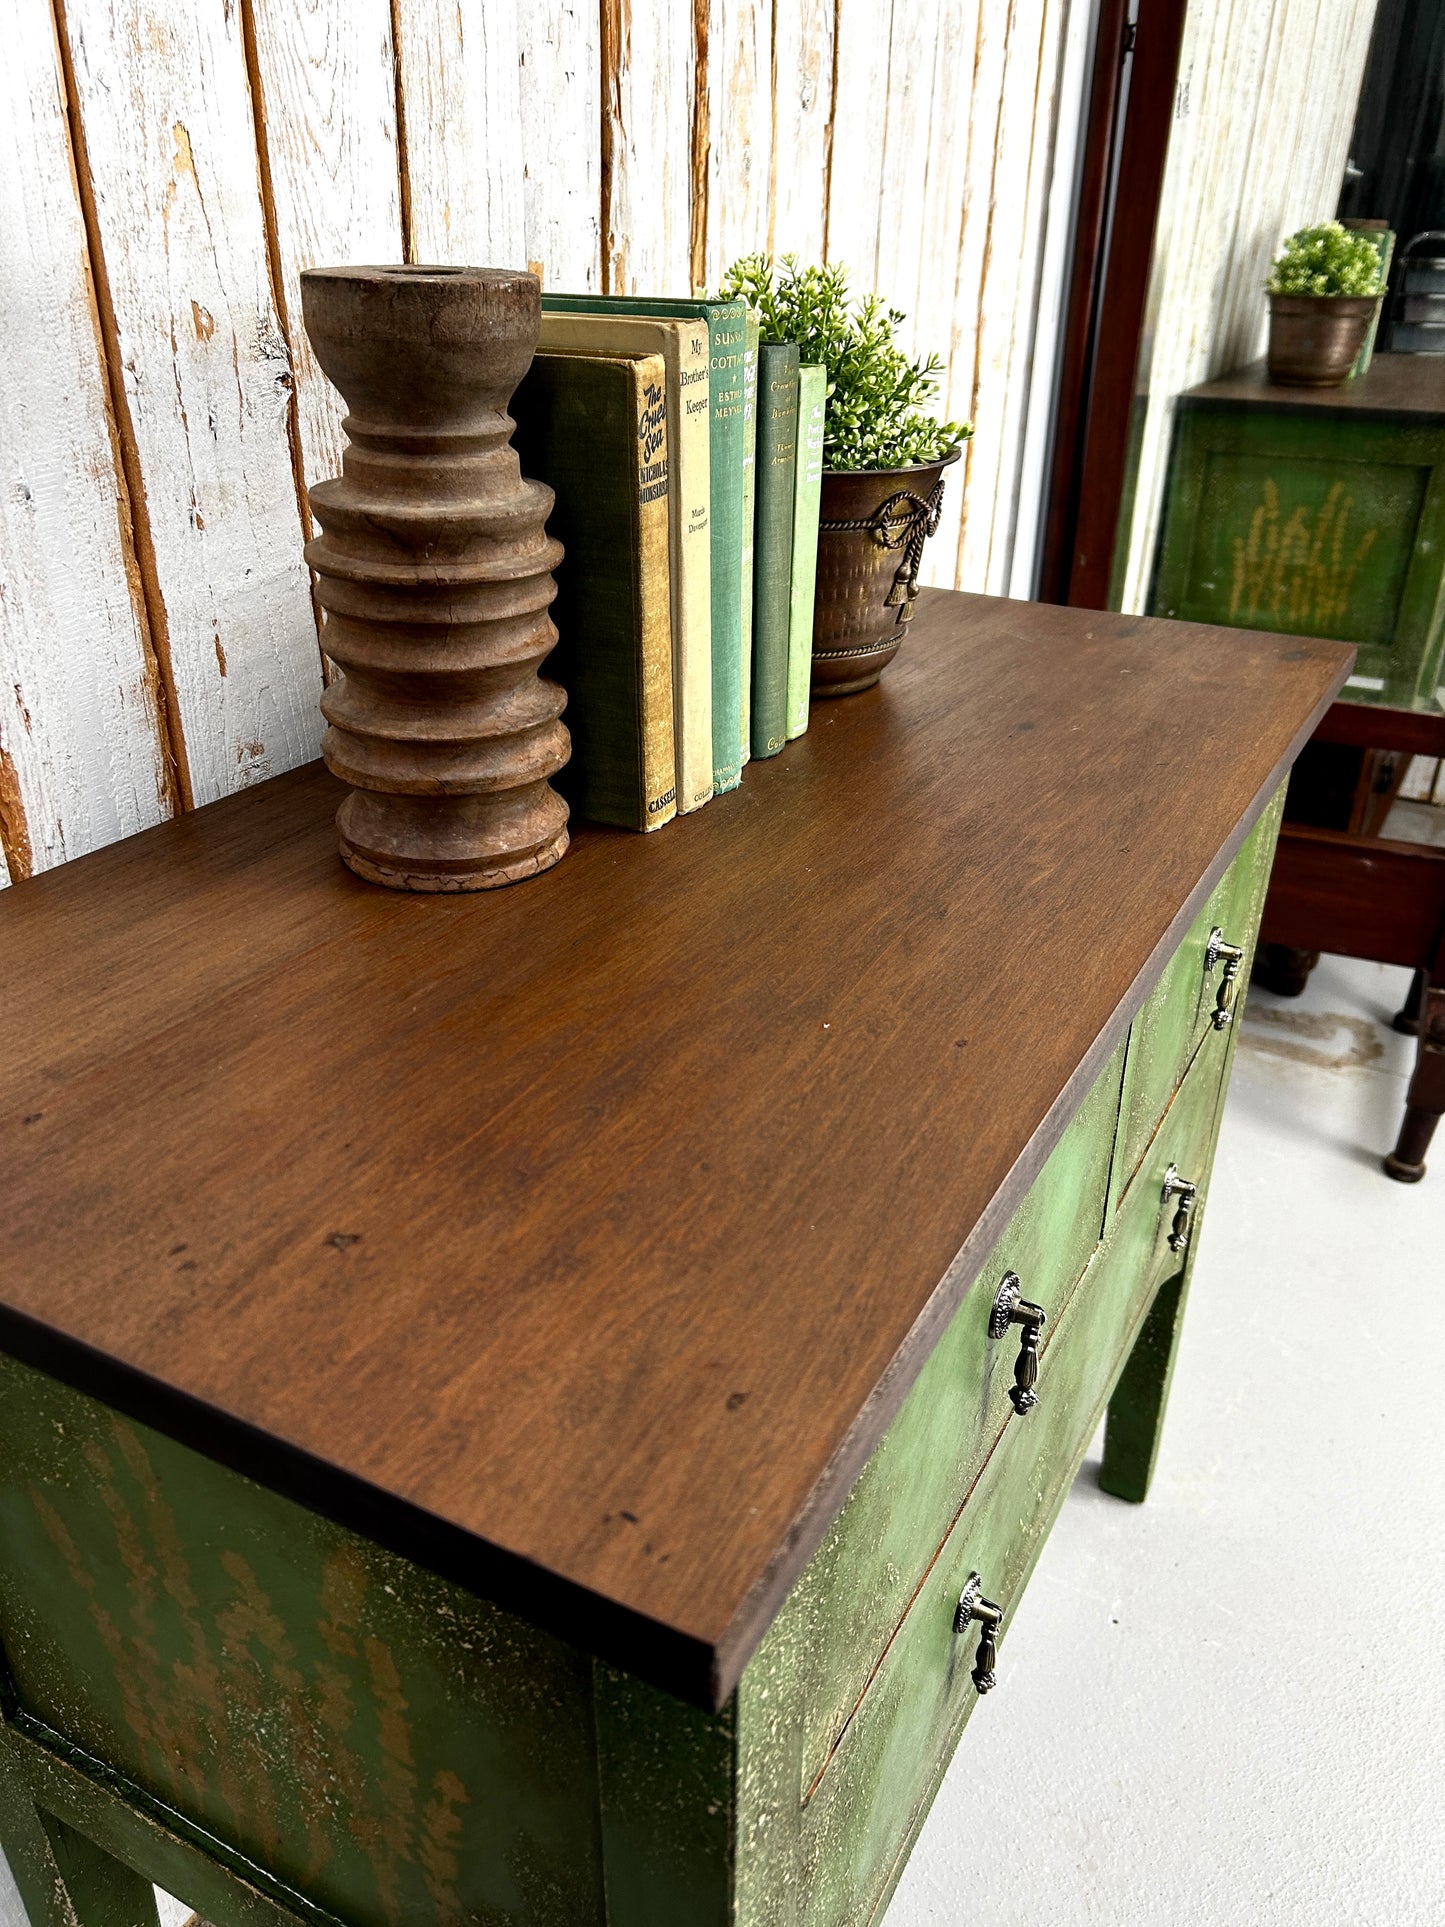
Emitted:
<point x="884" y="455"/>
<point x="1324" y="292"/>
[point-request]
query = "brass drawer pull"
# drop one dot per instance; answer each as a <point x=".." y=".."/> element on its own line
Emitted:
<point x="1010" y="1307"/>
<point x="973" y="1606"/>
<point x="1187" y="1194"/>
<point x="1232" y="956"/>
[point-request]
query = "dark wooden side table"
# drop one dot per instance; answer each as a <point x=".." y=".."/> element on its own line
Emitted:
<point x="1377" y="898"/>
<point x="537" y="1408"/>
<point x="1322" y="512"/>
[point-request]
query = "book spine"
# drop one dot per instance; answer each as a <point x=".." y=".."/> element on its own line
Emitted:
<point x="807" y="506"/>
<point x="684" y="344"/>
<point x="692" y="581"/>
<point x="726" y="466"/>
<point x="750" y="475"/>
<point x="777" y="461"/>
<point x="654" y="596"/>
<point x="594" y="429"/>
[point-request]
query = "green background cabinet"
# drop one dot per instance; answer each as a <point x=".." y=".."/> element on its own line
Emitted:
<point x="1316" y="513"/>
<point x="223" y="1675"/>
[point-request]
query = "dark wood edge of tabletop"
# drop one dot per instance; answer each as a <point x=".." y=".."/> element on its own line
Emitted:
<point x="691" y="1669"/>
<point x="619" y="1634"/>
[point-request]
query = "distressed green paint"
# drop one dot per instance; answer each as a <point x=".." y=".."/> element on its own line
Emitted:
<point x="286" y="1724"/>
<point x="825" y="1856"/>
<point x="201" y="1873"/>
<point x="1137" y="1406"/>
<point x="368" y="1734"/>
<point x="667" y="1774"/>
<point x="63" y="1877"/>
<point x="1175" y="1020"/>
<point x="858" y="1584"/>
<point x="1312" y="523"/>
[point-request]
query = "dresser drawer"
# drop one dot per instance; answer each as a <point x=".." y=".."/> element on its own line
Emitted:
<point x="861" y="1814"/>
<point x="860" y="1581"/>
<point x="1177" y="1019"/>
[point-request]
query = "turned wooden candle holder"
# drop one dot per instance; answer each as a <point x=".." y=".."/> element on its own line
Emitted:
<point x="434" y="568"/>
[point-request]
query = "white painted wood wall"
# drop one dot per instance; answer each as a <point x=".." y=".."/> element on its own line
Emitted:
<point x="1263" y="116"/>
<point x="167" y="170"/>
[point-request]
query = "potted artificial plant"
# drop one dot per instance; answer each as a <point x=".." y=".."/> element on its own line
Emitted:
<point x="883" y="460"/>
<point x="1323" y="294"/>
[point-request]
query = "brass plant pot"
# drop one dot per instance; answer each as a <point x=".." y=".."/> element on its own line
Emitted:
<point x="870" y="543"/>
<point x="1315" y="339"/>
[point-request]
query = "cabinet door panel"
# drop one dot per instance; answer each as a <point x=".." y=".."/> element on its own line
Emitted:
<point x="859" y="1583"/>
<point x="858" y="1817"/>
<point x="1176" y="1021"/>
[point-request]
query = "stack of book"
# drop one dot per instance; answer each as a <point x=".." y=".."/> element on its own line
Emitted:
<point x="687" y="463"/>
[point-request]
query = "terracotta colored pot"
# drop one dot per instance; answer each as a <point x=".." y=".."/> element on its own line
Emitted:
<point x="1315" y="339"/>
<point x="870" y="542"/>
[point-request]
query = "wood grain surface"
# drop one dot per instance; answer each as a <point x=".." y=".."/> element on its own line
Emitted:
<point x="580" y="1239"/>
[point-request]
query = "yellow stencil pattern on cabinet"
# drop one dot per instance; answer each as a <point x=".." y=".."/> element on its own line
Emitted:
<point x="1297" y="574"/>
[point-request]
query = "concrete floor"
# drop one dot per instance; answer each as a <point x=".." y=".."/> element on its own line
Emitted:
<point x="1226" y="1708"/>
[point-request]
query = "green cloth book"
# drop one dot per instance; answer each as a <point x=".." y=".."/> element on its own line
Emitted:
<point x="807" y="505"/>
<point x="725" y="322"/>
<point x="594" y="429"/>
<point x="777" y="463"/>
<point x="750" y="476"/>
<point x="683" y="346"/>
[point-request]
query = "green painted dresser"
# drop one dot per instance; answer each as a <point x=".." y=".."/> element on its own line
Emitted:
<point x="532" y="1410"/>
<point x="1320" y="511"/>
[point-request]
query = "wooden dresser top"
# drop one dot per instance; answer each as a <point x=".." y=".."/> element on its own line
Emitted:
<point x="1411" y="387"/>
<point x="579" y="1239"/>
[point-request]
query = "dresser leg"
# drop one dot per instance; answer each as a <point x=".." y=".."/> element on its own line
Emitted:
<point x="1136" y="1410"/>
<point x="64" y="1879"/>
<point x="1425" y="1100"/>
<point x="1284" y="970"/>
<point x="1406" y="1019"/>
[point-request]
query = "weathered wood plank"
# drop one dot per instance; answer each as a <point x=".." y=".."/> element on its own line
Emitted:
<point x="647" y="102"/>
<point x="855" y="175"/>
<point x="905" y="135"/>
<point x="170" y="149"/>
<point x="1030" y="138"/>
<point x="740" y="159"/>
<point x="1003" y="284"/>
<point x="326" y="103"/>
<point x="1075" y="52"/>
<point x="802" y="126"/>
<point x="964" y="506"/>
<point x="459" y="62"/>
<point x="82" y="757"/>
<point x="561" y="108"/>
<point x="944" y="199"/>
